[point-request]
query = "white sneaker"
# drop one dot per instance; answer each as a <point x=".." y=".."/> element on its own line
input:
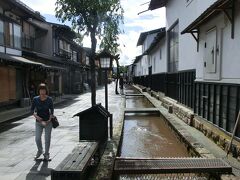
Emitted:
<point x="39" y="153"/>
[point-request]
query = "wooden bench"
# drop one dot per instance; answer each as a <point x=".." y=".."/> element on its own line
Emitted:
<point x="75" y="164"/>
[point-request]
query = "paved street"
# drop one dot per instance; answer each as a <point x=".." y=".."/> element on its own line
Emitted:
<point x="17" y="144"/>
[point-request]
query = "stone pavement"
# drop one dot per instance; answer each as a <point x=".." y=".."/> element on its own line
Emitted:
<point x="17" y="144"/>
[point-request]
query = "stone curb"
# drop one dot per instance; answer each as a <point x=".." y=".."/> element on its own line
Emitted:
<point x="106" y="165"/>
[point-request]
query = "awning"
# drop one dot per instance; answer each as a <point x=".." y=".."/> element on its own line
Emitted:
<point x="58" y="60"/>
<point x="54" y="68"/>
<point x="22" y="60"/>
<point x="17" y="59"/>
<point x="225" y="6"/>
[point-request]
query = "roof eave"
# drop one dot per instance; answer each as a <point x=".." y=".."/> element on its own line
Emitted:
<point x="141" y="39"/>
<point x="28" y="10"/>
<point x="156" y="40"/>
<point x="143" y="35"/>
<point x="155" y="4"/>
<point x="206" y="15"/>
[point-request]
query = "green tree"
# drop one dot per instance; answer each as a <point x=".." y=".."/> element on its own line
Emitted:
<point x="110" y="42"/>
<point x="97" y="18"/>
<point x="78" y="39"/>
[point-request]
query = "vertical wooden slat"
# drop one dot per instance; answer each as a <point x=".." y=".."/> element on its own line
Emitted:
<point x="179" y="89"/>
<point x="194" y="89"/>
<point x="12" y="83"/>
<point x="4" y="80"/>
<point x="208" y="102"/>
<point x="237" y="109"/>
<point x="195" y="97"/>
<point x="189" y="89"/>
<point x="220" y="124"/>
<point x="185" y="87"/>
<point x="214" y="104"/>
<point x="203" y="101"/>
<point x="228" y="109"/>
<point x="182" y="88"/>
<point x="199" y="98"/>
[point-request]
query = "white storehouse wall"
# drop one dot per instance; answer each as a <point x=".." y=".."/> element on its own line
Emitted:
<point x="137" y="69"/>
<point x="158" y="57"/>
<point x="142" y="66"/>
<point x="145" y="65"/>
<point x="185" y="13"/>
<point x="228" y="61"/>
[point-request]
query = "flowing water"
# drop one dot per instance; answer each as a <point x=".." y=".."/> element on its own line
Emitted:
<point x="149" y="136"/>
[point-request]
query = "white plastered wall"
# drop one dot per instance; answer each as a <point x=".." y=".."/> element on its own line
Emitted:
<point x="158" y="54"/>
<point x="228" y="62"/>
<point x="185" y="14"/>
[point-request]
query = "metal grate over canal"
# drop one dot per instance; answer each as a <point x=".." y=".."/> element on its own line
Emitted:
<point x="165" y="177"/>
<point x="169" y="168"/>
<point x="170" y="165"/>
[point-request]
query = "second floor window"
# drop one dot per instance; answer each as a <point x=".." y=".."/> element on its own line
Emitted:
<point x="64" y="49"/>
<point x="9" y="34"/>
<point x="13" y="35"/>
<point x="74" y="56"/>
<point x="17" y="36"/>
<point x="1" y="33"/>
<point x="28" y="36"/>
<point x="87" y="60"/>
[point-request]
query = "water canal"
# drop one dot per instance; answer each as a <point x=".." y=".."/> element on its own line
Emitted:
<point x="147" y="135"/>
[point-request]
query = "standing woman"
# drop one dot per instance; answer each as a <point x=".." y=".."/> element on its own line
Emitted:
<point x="42" y="110"/>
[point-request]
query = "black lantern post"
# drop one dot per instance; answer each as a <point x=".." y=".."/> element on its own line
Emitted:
<point x="105" y="61"/>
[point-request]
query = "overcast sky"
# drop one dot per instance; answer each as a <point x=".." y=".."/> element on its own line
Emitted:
<point x="134" y="24"/>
